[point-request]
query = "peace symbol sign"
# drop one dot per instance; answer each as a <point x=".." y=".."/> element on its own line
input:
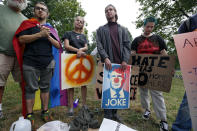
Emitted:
<point x="79" y="73"/>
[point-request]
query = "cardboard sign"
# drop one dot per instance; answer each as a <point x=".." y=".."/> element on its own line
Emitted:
<point x="133" y="81"/>
<point x="186" y="45"/>
<point x="110" y="125"/>
<point x="116" y="87"/>
<point x="155" y="71"/>
<point x="77" y="72"/>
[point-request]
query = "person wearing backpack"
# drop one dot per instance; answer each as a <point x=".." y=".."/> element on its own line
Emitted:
<point x="183" y="119"/>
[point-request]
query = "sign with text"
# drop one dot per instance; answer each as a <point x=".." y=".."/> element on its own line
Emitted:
<point x="110" y="125"/>
<point x="133" y="81"/>
<point x="155" y="71"/>
<point x="77" y="72"/>
<point x="186" y="45"/>
<point x="116" y="87"/>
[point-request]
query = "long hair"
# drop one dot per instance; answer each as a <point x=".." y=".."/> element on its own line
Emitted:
<point x="116" y="16"/>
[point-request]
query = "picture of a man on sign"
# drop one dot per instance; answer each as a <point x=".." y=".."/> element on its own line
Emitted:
<point x="116" y="88"/>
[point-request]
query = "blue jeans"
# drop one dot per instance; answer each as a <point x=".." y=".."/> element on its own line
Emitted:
<point x="183" y="120"/>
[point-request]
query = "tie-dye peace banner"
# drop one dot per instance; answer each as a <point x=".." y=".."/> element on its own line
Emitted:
<point x="77" y="72"/>
<point x="186" y="45"/>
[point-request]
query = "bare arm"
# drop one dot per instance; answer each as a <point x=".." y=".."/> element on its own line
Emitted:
<point x="68" y="47"/>
<point x="54" y="42"/>
<point x="25" y="39"/>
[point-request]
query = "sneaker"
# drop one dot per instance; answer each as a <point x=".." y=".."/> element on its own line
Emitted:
<point x="46" y="117"/>
<point x="163" y="126"/>
<point x="30" y="117"/>
<point x="146" y="115"/>
<point x="1" y="114"/>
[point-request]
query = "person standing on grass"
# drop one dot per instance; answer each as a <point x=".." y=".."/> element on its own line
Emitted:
<point x="75" y="42"/>
<point x="113" y="44"/>
<point x="149" y="43"/>
<point x="183" y="120"/>
<point x="11" y="18"/>
<point x="39" y="38"/>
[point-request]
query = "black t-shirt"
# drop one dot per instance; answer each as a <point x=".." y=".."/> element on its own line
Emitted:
<point x="148" y="45"/>
<point x="38" y="53"/>
<point x="75" y="40"/>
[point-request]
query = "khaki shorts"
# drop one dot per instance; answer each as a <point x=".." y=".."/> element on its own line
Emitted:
<point x="9" y="64"/>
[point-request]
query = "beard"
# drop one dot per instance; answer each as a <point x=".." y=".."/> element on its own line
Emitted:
<point x="16" y="4"/>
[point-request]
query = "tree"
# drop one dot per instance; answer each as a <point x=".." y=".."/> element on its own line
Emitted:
<point x="92" y="45"/>
<point x="169" y="13"/>
<point x="62" y="13"/>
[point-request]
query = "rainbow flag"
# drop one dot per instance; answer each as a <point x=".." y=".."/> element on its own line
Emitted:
<point x="58" y="97"/>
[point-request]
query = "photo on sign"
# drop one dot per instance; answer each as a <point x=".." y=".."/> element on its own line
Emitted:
<point x="116" y="86"/>
<point x="77" y="72"/>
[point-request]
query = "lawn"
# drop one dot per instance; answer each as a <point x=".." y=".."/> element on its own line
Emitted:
<point x="132" y="117"/>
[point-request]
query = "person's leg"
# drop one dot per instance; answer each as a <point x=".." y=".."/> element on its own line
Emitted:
<point x="44" y="84"/>
<point x="159" y="108"/>
<point x="31" y="76"/>
<point x="158" y="104"/>
<point x="6" y="66"/>
<point x="144" y="98"/>
<point x="183" y="120"/>
<point x="84" y="94"/>
<point x="71" y="97"/>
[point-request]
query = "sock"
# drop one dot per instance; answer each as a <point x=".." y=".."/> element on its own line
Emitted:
<point x="71" y="110"/>
<point x="0" y="106"/>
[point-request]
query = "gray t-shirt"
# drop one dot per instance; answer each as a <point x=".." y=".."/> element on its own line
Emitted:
<point x="9" y="23"/>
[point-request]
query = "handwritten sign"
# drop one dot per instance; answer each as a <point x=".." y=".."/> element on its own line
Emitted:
<point x="133" y="81"/>
<point x="155" y="71"/>
<point x="186" y="45"/>
<point x="77" y="72"/>
<point x="116" y="87"/>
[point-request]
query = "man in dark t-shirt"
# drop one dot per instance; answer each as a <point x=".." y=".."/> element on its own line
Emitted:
<point x="38" y="60"/>
<point x="149" y="43"/>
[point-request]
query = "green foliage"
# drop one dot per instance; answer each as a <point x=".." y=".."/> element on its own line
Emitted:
<point x="92" y="45"/>
<point x="62" y="13"/>
<point x="169" y="13"/>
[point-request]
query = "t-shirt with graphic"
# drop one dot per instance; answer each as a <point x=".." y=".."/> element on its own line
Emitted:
<point x="9" y="23"/>
<point x="75" y="40"/>
<point x="148" y="45"/>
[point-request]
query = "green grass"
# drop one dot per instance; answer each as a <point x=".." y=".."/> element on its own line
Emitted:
<point x="132" y="117"/>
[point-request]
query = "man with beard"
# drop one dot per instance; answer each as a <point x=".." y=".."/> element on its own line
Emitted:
<point x="113" y="44"/>
<point x="39" y="39"/>
<point x="11" y="18"/>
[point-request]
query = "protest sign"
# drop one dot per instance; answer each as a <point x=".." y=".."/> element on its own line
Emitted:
<point x="77" y="72"/>
<point x="186" y="45"/>
<point x="156" y="71"/>
<point x="110" y="125"/>
<point x="116" y="86"/>
<point x="133" y="82"/>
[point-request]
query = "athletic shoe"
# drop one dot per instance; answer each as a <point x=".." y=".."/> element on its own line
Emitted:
<point x="46" y="117"/>
<point x="163" y="126"/>
<point x="30" y="117"/>
<point x="146" y="115"/>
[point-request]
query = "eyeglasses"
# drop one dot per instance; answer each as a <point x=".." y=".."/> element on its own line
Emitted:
<point x="40" y="8"/>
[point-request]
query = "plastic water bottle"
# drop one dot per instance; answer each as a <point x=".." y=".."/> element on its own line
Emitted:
<point x="75" y="103"/>
<point x="21" y="125"/>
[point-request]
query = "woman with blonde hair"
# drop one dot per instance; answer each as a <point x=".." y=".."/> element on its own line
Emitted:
<point x="75" y="42"/>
